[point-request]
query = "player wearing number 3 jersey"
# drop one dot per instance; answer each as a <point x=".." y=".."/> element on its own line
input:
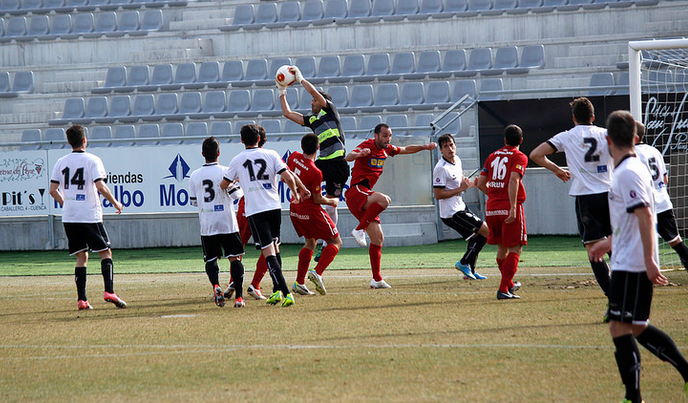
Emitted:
<point x="500" y="180"/>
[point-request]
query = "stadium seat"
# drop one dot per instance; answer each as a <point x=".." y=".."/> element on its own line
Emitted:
<point x="349" y="124"/>
<point x="412" y="96"/>
<point x="313" y="10"/>
<point x="73" y="109"/>
<point x="161" y="75"/>
<point x="102" y="5"/>
<point x="621" y="79"/>
<point x="129" y="23"/>
<point x="340" y="95"/>
<point x="257" y="72"/>
<point x="148" y="131"/>
<point x="152" y="20"/>
<point x="105" y="24"/>
<point x="378" y="66"/>
<point x="464" y="87"/>
<point x="386" y="97"/>
<point x="422" y="125"/>
<point x="380" y="9"/>
<point x="307" y="67"/>
<point x="447" y="125"/>
<point x="290" y="12"/>
<point x="438" y="94"/>
<point x="96" y="107"/>
<point x="290" y="127"/>
<point x="407" y="8"/>
<point x="328" y="69"/>
<point x="479" y="6"/>
<point x="238" y="124"/>
<point x="398" y="123"/>
<point x="23" y="82"/>
<point x="120" y="107"/>
<point x="233" y="73"/>
<point x="358" y="9"/>
<point x="506" y="6"/>
<point x="61" y="25"/>
<point x="353" y="67"/>
<point x="532" y="57"/>
<point x="433" y="8"/>
<point x="428" y="62"/>
<point x="102" y="136"/>
<point x="30" y="138"/>
<point x="39" y="28"/>
<point x="124" y="134"/>
<point x="220" y="129"/>
<point x="455" y="7"/>
<point x="120" y="3"/>
<point x="293" y="98"/>
<point x="367" y="124"/>
<point x="9" y="6"/>
<point x="56" y="5"/>
<point x="183" y="76"/>
<point x="454" y="64"/>
<point x="208" y="75"/>
<point x="266" y="13"/>
<point x="198" y="131"/>
<point x="215" y="105"/>
<point x="361" y="98"/>
<point x="492" y="85"/>
<point x="573" y="5"/>
<point x="57" y="138"/>
<point x="540" y="6"/>
<point x="276" y="63"/>
<point x="139" y="77"/>
<point x="243" y="16"/>
<point x="166" y="107"/>
<point x="32" y="6"/>
<point x="402" y="63"/>
<point x="238" y="101"/>
<point x="601" y="80"/>
<point x="263" y="103"/>
<point x="144" y="106"/>
<point x="171" y="133"/>
<point x="189" y="103"/>
<point x="335" y="11"/>
<point x="115" y="77"/>
<point x="506" y="58"/>
<point x="83" y="25"/>
<point x="5" y="86"/>
<point x="273" y="127"/>
<point x="480" y="60"/>
<point x="15" y="29"/>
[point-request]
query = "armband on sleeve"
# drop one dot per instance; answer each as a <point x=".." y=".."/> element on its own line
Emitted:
<point x="235" y="191"/>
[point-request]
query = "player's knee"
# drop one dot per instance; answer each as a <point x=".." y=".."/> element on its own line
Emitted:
<point x="336" y="241"/>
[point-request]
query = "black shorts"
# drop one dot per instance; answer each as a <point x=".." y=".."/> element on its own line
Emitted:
<point x="666" y="225"/>
<point x="465" y="223"/>
<point x="592" y="213"/>
<point x="630" y="297"/>
<point x="213" y="245"/>
<point x="83" y="237"/>
<point x="335" y="174"/>
<point x="265" y="227"/>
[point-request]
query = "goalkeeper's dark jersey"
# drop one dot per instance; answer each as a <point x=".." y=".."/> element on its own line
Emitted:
<point x="326" y="125"/>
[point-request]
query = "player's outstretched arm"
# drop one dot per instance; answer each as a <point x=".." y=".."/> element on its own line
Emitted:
<point x="539" y="156"/>
<point x="417" y="148"/>
<point x="55" y="193"/>
<point x="648" y="239"/>
<point x="357" y="153"/>
<point x="105" y="191"/>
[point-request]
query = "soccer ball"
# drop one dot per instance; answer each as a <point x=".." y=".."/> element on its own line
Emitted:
<point x="285" y="76"/>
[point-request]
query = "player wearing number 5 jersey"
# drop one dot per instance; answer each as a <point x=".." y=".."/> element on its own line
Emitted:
<point x="500" y="180"/>
<point x="590" y="167"/>
<point x="219" y="228"/>
<point x="259" y="170"/>
<point x="76" y="180"/>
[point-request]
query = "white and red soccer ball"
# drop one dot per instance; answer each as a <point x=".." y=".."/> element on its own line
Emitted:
<point x="285" y="76"/>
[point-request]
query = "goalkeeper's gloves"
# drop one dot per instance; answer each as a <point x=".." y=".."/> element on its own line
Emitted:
<point x="281" y="88"/>
<point x="297" y="73"/>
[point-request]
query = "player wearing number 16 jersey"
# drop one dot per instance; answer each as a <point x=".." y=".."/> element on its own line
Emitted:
<point x="219" y="228"/>
<point x="590" y="167"/>
<point x="500" y="180"/>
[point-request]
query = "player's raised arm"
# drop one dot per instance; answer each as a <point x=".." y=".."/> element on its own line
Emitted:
<point x="539" y="156"/>
<point x="417" y="148"/>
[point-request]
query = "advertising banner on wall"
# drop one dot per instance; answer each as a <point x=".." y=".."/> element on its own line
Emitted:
<point x="24" y="183"/>
<point x="666" y="122"/>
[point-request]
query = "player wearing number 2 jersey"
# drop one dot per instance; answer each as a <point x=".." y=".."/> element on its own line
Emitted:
<point x="219" y="228"/>
<point x="500" y="180"/>
<point x="590" y="167"/>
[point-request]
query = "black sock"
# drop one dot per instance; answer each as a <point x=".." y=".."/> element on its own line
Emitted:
<point x="475" y="245"/>
<point x="236" y="268"/>
<point x="213" y="272"/>
<point x="663" y="346"/>
<point x="628" y="361"/>
<point x="80" y="279"/>
<point x="682" y="251"/>
<point x="601" y="271"/>
<point x="275" y="270"/>
<point x="106" y="268"/>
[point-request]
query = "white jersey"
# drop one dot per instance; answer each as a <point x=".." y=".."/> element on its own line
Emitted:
<point x="258" y="171"/>
<point x="76" y="173"/>
<point x="654" y="161"/>
<point x="587" y="156"/>
<point x="631" y="188"/>
<point x="448" y="176"/>
<point x="215" y="207"/>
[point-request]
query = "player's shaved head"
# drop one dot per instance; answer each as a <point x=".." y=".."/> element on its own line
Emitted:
<point x="583" y="111"/>
<point x="621" y="129"/>
<point x="379" y="127"/>
<point x="513" y="135"/>
<point x="309" y="143"/>
<point x="211" y="149"/>
<point x="76" y="135"/>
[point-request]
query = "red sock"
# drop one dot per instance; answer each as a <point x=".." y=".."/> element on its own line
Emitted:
<point x="509" y="271"/>
<point x="375" y="252"/>
<point x="261" y="269"/>
<point x="326" y="257"/>
<point x="305" y="256"/>
<point x="373" y="211"/>
<point x="500" y="264"/>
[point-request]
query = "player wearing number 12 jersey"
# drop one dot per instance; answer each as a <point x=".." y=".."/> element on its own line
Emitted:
<point x="500" y="180"/>
<point x="590" y="167"/>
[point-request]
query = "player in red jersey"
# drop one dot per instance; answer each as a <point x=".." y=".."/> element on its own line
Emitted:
<point x="500" y="180"/>
<point x="310" y="219"/>
<point x="366" y="204"/>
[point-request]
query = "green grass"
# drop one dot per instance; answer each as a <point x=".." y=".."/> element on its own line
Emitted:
<point x="561" y="251"/>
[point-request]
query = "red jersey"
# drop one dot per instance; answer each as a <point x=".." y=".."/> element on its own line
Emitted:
<point x="498" y="168"/>
<point x="311" y="177"/>
<point x="369" y="168"/>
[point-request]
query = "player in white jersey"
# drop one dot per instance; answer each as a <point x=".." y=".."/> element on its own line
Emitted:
<point x="75" y="182"/>
<point x="258" y="170"/>
<point x="448" y="184"/>
<point x="635" y="261"/>
<point x="666" y="221"/>
<point x="219" y="228"/>
<point x="589" y="164"/>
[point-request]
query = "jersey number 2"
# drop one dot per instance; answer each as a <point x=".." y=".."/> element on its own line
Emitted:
<point x="262" y="165"/>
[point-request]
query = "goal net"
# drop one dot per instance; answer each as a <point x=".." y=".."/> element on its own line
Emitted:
<point x="658" y="79"/>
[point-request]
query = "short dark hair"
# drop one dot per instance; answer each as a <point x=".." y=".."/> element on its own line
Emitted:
<point x="211" y="149"/>
<point x="263" y="137"/>
<point x="250" y="134"/>
<point x="513" y="135"/>
<point x="621" y="128"/>
<point x="326" y="95"/>
<point x="309" y="143"/>
<point x="379" y="126"/>
<point x="445" y="139"/>
<point x="640" y="130"/>
<point x="76" y="135"/>
<point x="582" y="110"/>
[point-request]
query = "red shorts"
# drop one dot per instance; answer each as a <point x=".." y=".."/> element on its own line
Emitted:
<point x="356" y="197"/>
<point x="244" y="228"/>
<point x="506" y="234"/>
<point x="314" y="225"/>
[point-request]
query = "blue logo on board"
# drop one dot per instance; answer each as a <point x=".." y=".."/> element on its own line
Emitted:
<point x="179" y="169"/>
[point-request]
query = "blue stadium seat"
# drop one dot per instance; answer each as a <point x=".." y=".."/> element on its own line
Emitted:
<point x="438" y="94"/>
<point x="428" y="62"/>
<point x="61" y="25"/>
<point x="139" y="76"/>
<point x="407" y="8"/>
<point x="152" y="20"/>
<point x="368" y="122"/>
<point x="74" y="108"/>
<point x="403" y="63"/>
<point x="243" y="16"/>
<point x="124" y="134"/>
<point x="386" y="97"/>
<point x="23" y="82"/>
<point x="189" y="104"/>
<point x="621" y="79"/>
<point x="166" y="107"/>
<point x="114" y="4"/>
<point x="257" y="72"/>
<point x="291" y="127"/>
<point x="353" y="67"/>
<point x="491" y="84"/>
<point x="96" y="107"/>
<point x="455" y="7"/>
<point x="293" y="98"/>
<point x="120" y="107"/>
<point x="506" y="58"/>
<point x="148" y="131"/>
<point x="398" y="123"/>
<point x="105" y="24"/>
<point x="361" y="98"/>
<point x="272" y="127"/>
<point x="82" y="25"/>
<point x="378" y="66"/>
<point x="57" y="138"/>
<point x="359" y="9"/>
<point x="313" y="10"/>
<point x="290" y="12"/>
<point x="161" y="75"/>
<point x="412" y="96"/>
<point x="422" y="125"/>
<point x="183" y="76"/>
<point x="454" y="64"/>
<point x="340" y="95"/>
<point x="115" y="77"/>
<point x="144" y="106"/>
<point x="266" y="13"/>
<point x="171" y="133"/>
<point x="464" y="87"/>
<point x="100" y="136"/>
<point x="276" y="63"/>
<point x="30" y="138"/>
<point x="480" y="60"/>
<point x="198" y="131"/>
<point x="208" y="75"/>
<point x="434" y="9"/>
<point x="307" y="66"/>
<point x="9" y="6"/>
<point x="532" y="57"/>
<point x="263" y="103"/>
<point x="215" y="105"/>
<point x="238" y="101"/>
<point x="540" y="6"/>
<point x="39" y="28"/>
<point x="334" y="10"/>
<point x="5" y="86"/>
<point x="102" y="5"/>
<point x="348" y="124"/>
<point x="130" y="23"/>
<point x="601" y="80"/>
<point x="33" y="6"/>
<point x="505" y="6"/>
<point x="233" y="73"/>
<point x="382" y="9"/>
<point x="481" y="6"/>
<point x="219" y="129"/>
<point x="15" y="29"/>
<point x="328" y="70"/>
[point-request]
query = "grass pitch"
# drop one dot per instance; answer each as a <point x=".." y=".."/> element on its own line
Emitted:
<point x="432" y="337"/>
